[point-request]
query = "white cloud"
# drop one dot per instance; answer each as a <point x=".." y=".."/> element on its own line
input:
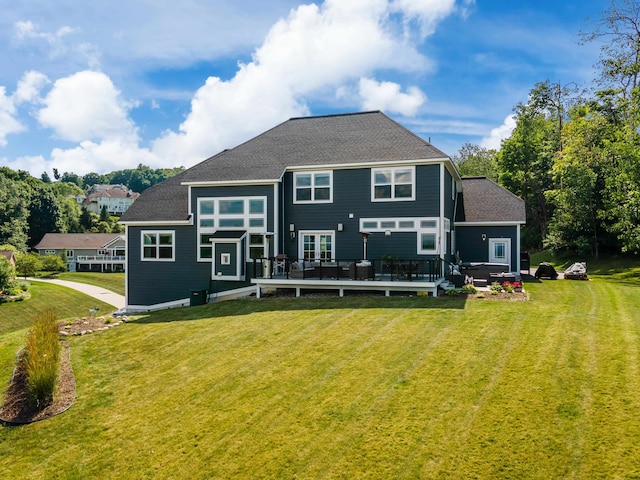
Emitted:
<point x="313" y="51"/>
<point x="315" y="47"/>
<point x="86" y="106"/>
<point x="55" y="43"/>
<point x="388" y="97"/>
<point x="8" y="122"/>
<point x="29" y="87"/>
<point x="104" y="156"/>
<point x="427" y="14"/>
<point x="494" y="140"/>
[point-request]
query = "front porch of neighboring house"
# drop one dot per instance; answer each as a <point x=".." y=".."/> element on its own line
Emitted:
<point x="423" y="276"/>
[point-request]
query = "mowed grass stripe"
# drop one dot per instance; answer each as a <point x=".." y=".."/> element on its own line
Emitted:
<point x="616" y="381"/>
<point x="269" y="389"/>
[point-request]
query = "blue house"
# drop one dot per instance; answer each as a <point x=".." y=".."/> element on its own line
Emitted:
<point x="347" y="202"/>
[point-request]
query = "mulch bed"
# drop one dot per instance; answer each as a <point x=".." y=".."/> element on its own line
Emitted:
<point x="17" y="409"/>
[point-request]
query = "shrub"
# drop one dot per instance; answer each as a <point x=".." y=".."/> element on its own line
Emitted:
<point x="469" y="289"/>
<point x="495" y="288"/>
<point x="7" y="273"/>
<point x="53" y="263"/>
<point x="42" y="358"/>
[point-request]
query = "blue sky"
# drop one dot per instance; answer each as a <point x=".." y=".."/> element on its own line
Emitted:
<point x="106" y="85"/>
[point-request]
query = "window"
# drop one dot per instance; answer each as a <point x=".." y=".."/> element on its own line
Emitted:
<point x="427" y="242"/>
<point x="158" y="246"/>
<point x="49" y="252"/>
<point x="256" y="245"/>
<point x="393" y="184"/>
<point x="70" y="254"/>
<point x="313" y="187"/>
<point x="103" y="252"/>
<point x="231" y="213"/>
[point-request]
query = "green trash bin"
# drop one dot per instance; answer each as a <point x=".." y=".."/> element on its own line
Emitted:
<point x="198" y="297"/>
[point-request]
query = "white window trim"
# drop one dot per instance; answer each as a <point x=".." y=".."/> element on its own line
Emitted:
<point x="216" y="216"/>
<point x="507" y="242"/>
<point x="331" y="233"/>
<point x="158" y="232"/>
<point x="393" y="197"/>
<point x="422" y="251"/>
<point x="313" y="187"/>
<point x="70" y="254"/>
<point x="416" y="224"/>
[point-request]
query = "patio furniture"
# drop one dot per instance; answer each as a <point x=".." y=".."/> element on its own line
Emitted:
<point x="302" y="269"/>
<point x="361" y="271"/>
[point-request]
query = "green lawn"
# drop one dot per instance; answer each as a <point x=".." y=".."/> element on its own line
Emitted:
<point x="354" y="387"/>
<point x="110" y="281"/>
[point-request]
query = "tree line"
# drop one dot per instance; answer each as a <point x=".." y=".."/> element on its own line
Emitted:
<point x="33" y="206"/>
<point x="574" y="155"/>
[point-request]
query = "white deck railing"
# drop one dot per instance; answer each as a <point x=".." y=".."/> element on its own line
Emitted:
<point x="101" y="259"/>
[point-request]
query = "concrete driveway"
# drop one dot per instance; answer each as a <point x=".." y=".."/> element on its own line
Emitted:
<point x="98" y="293"/>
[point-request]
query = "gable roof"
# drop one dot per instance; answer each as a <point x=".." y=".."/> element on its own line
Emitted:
<point x="59" y="241"/>
<point x="482" y="200"/>
<point x="9" y="255"/>
<point x="344" y="139"/>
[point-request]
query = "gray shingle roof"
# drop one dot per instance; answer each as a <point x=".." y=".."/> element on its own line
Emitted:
<point x="483" y="200"/>
<point x="306" y="141"/>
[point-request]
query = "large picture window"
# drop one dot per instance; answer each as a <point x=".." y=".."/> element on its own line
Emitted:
<point x="158" y="246"/>
<point x="313" y="187"/>
<point x="231" y="213"/>
<point x="393" y="184"/>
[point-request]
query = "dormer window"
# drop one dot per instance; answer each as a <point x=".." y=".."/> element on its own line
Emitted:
<point x="395" y="184"/>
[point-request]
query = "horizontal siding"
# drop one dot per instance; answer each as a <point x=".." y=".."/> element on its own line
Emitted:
<point x="473" y="249"/>
<point x="352" y="195"/>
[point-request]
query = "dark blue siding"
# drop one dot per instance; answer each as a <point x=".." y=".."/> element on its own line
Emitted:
<point x="473" y="249"/>
<point x="159" y="282"/>
<point x="352" y="195"/>
<point x="449" y="211"/>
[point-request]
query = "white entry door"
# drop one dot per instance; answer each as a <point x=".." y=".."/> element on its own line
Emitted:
<point x="500" y="250"/>
<point x="316" y="246"/>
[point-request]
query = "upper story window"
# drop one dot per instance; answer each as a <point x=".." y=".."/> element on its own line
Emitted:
<point x="396" y="183"/>
<point x="158" y="246"/>
<point x="313" y="187"/>
<point x="229" y="213"/>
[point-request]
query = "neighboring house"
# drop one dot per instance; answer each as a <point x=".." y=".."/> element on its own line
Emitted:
<point x="9" y="255"/>
<point x="329" y="192"/>
<point x="117" y="199"/>
<point x="86" y="252"/>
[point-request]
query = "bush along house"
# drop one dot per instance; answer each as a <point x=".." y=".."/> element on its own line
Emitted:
<point x="344" y="202"/>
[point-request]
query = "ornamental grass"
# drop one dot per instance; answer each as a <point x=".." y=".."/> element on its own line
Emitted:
<point x="42" y="358"/>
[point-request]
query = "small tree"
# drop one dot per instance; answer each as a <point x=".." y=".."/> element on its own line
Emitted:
<point x="28" y="264"/>
<point x="53" y="263"/>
